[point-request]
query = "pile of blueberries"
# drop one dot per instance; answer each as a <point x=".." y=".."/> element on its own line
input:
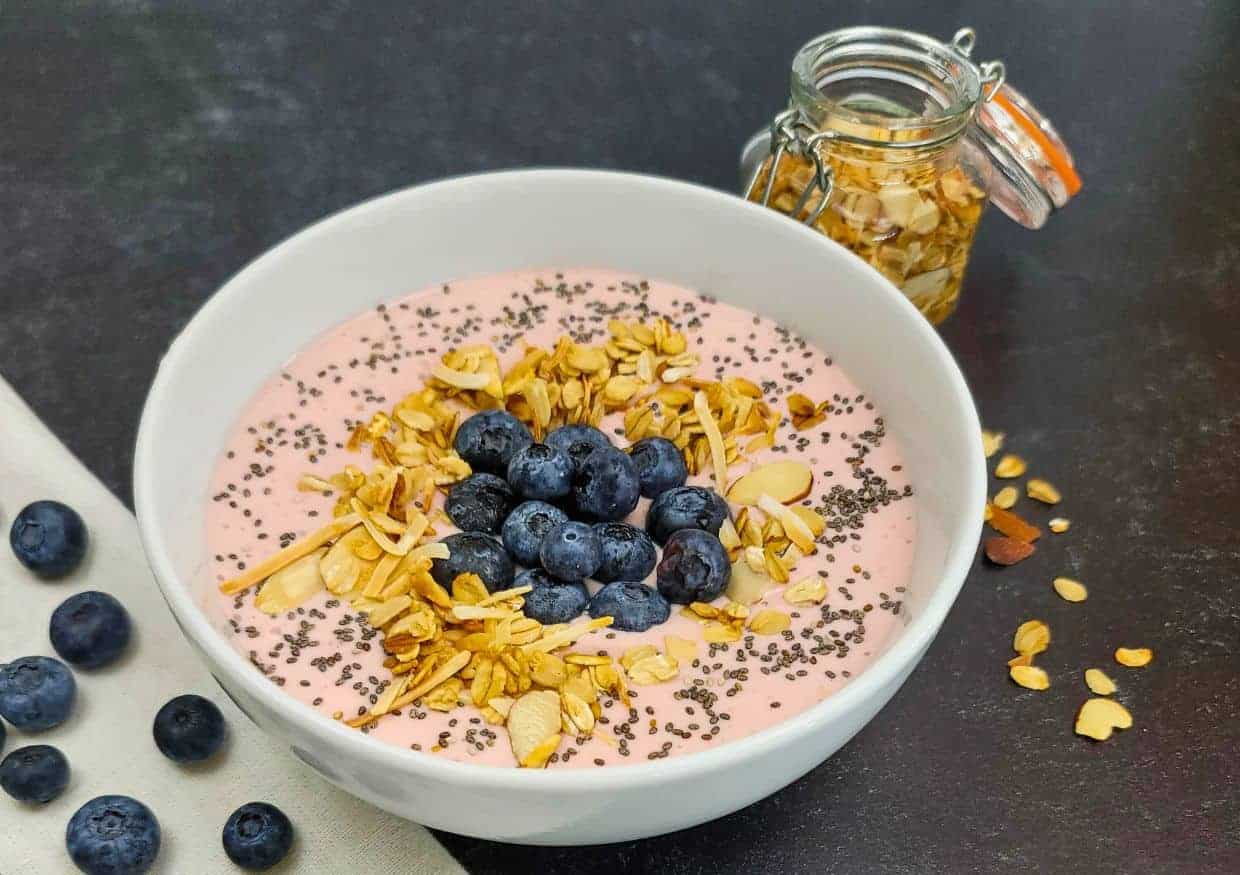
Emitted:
<point x="558" y="509"/>
<point x="109" y="835"/>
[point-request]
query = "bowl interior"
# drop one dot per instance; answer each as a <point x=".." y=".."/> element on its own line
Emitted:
<point x="695" y="237"/>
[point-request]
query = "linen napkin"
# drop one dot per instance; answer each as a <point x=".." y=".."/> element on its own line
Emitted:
<point x="108" y="739"/>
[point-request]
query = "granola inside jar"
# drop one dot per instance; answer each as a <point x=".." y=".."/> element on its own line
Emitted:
<point x="888" y="126"/>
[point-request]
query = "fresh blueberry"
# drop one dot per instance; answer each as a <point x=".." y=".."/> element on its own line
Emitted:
<point x="660" y="466"/>
<point x="3" y="733"/>
<point x="488" y="440"/>
<point x="606" y="488"/>
<point x="189" y="729"/>
<point x="628" y="552"/>
<point x="113" y="835"/>
<point x="257" y="836"/>
<point x="49" y="538"/>
<point x="633" y="606"/>
<point x="474" y="553"/>
<point x="526" y="527"/>
<point x="480" y="503"/>
<point x="542" y="472"/>
<point x="552" y="600"/>
<point x="578" y="441"/>
<point x="686" y="507"/>
<point x="90" y="629"/>
<point x="38" y="773"/>
<point x="694" y="567"/>
<point x="36" y="692"/>
<point x="571" y="551"/>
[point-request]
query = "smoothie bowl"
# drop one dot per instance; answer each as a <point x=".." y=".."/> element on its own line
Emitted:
<point x="559" y="507"/>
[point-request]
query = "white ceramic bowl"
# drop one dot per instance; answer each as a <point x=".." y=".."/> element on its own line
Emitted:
<point x="696" y="237"/>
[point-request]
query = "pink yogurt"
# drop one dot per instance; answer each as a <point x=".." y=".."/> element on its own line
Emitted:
<point x="321" y="654"/>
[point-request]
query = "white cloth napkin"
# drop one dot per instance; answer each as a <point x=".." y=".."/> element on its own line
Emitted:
<point x="108" y="738"/>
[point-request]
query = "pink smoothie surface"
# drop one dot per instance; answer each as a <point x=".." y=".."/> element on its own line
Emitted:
<point x="324" y="654"/>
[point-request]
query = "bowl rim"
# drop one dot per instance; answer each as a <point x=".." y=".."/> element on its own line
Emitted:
<point x="222" y="657"/>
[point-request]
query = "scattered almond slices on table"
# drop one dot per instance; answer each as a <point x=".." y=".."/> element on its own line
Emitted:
<point x="1098" y="718"/>
<point x="1097" y="681"/>
<point x="1010" y="466"/>
<point x="1030" y="677"/>
<point x="1134" y="657"/>
<point x="1005" y="498"/>
<point x="1070" y="590"/>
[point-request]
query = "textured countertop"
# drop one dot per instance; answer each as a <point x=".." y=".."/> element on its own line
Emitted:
<point x="149" y="150"/>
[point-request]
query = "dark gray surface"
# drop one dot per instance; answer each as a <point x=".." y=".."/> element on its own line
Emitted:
<point x="148" y="150"/>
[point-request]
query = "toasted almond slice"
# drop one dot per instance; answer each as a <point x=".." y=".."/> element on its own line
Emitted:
<point x="586" y="659"/>
<point x="806" y="591"/>
<point x="310" y="483"/>
<point x="460" y="379"/>
<point x="290" y="554"/>
<point x="813" y="520"/>
<point x="1022" y="659"/>
<point x="1098" y="718"/>
<point x="746" y="585"/>
<point x="532" y="719"/>
<point x="437" y="677"/>
<point x="390" y="695"/>
<point x="720" y="633"/>
<point x="1097" y="681"/>
<point x="1134" y="657"/>
<point x="1059" y="525"/>
<point x="1006" y="497"/>
<point x="728" y="536"/>
<point x="476" y="612"/>
<point x="992" y="442"/>
<point x="786" y="482"/>
<point x="1070" y="590"/>
<point x="504" y="595"/>
<point x="714" y="438"/>
<point x="636" y="654"/>
<point x="547" y="669"/>
<point x="655" y="669"/>
<point x="384" y="612"/>
<point x="1032" y="637"/>
<point x="1030" y="677"/>
<point x="794" y="528"/>
<point x="291" y="585"/>
<point x="579" y="712"/>
<point x="564" y="637"/>
<point x="1010" y="466"/>
<point x="769" y="622"/>
<point x="1040" y="490"/>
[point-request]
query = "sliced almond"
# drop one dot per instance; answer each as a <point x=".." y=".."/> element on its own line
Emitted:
<point x="533" y="719"/>
<point x="1040" y="490"/>
<point x="1070" y="590"/>
<point x="1010" y="466"/>
<point x="992" y="442"/>
<point x="291" y="585"/>
<point x="680" y="649"/>
<point x="1030" y="677"/>
<point x="807" y="591"/>
<point x="655" y="669"/>
<point x="714" y="439"/>
<point x="1005" y="497"/>
<point x="785" y="482"/>
<point x="1032" y="637"/>
<point x="290" y="554"/>
<point x="720" y="633"/>
<point x="1134" y="657"/>
<point x="746" y="585"/>
<point x="1099" y="684"/>
<point x="1007" y="551"/>
<point x="813" y="520"/>
<point x="460" y="379"/>
<point x="794" y="528"/>
<point x="769" y="622"/>
<point x="1098" y="718"/>
<point x="1059" y="525"/>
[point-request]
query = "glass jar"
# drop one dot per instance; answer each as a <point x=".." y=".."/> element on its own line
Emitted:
<point x="892" y="145"/>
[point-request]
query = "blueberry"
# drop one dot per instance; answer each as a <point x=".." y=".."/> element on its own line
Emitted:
<point x="526" y="527"/>
<point x="3" y="733"/>
<point x="488" y="440"/>
<point x="49" y="538"/>
<point x="633" y="606"/>
<point x="480" y="503"/>
<point x="660" y="466"/>
<point x="542" y="472"/>
<point x="686" y="507"/>
<point x="694" y="568"/>
<point x="571" y="551"/>
<point x="38" y="773"/>
<point x="606" y="488"/>
<point x="113" y="835"/>
<point x="89" y="629"/>
<point x="477" y="554"/>
<point x="257" y="836"/>
<point x="189" y="729"/>
<point x="578" y="441"/>
<point x="628" y="552"/>
<point x="552" y="600"/>
<point x="36" y="692"/>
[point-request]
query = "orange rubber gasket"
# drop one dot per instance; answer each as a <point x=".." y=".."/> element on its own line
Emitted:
<point x="1057" y="159"/>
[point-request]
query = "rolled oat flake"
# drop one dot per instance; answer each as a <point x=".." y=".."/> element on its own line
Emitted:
<point x="892" y="144"/>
